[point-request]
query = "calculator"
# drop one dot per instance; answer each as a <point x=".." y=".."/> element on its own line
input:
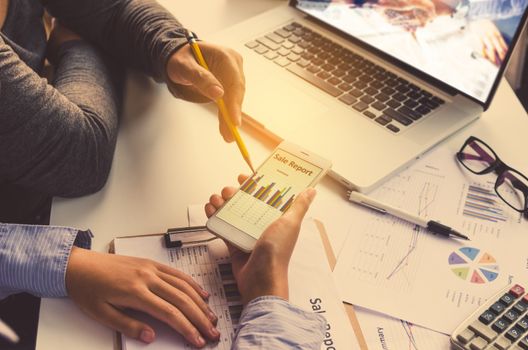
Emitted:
<point x="499" y="324"/>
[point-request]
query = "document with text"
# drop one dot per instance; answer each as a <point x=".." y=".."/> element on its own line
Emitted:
<point x="311" y="285"/>
<point x="394" y="267"/>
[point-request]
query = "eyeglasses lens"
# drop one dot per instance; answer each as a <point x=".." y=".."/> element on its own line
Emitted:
<point x="513" y="188"/>
<point x="476" y="156"/>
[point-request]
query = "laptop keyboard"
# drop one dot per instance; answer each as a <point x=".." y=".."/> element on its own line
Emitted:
<point x="391" y="101"/>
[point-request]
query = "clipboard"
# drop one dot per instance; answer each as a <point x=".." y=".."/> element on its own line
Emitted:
<point x="170" y="238"/>
<point x="184" y="236"/>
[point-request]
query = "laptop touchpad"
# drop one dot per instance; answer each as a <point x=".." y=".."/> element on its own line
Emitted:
<point x="283" y="105"/>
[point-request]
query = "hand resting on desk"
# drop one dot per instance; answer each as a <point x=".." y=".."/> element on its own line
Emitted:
<point x="265" y="270"/>
<point x="102" y="285"/>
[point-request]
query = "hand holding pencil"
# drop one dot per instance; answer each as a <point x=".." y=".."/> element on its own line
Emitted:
<point x="224" y="79"/>
<point x="199" y="80"/>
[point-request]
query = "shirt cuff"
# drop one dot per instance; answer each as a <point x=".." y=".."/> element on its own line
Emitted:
<point x="276" y="324"/>
<point x="34" y="258"/>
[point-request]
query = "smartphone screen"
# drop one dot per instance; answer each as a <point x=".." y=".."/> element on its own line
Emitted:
<point x="269" y="193"/>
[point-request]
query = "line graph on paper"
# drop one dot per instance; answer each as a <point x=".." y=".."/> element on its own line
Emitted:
<point x="384" y="332"/>
<point x="418" y="338"/>
<point x="408" y="329"/>
<point x="426" y="199"/>
<point x="389" y="252"/>
<point x="404" y="261"/>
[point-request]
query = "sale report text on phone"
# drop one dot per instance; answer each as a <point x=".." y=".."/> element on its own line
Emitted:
<point x="269" y="193"/>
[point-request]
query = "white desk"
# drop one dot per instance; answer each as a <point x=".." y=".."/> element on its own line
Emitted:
<point x="169" y="155"/>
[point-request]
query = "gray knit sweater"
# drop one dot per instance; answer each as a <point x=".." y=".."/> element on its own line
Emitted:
<point x="58" y="139"/>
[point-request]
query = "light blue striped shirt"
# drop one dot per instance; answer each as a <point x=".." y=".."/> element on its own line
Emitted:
<point x="33" y="259"/>
<point x="273" y="323"/>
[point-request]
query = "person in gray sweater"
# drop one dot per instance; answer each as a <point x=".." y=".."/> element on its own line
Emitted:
<point x="58" y="139"/>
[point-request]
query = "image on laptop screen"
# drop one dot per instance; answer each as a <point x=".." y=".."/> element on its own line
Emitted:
<point x="459" y="42"/>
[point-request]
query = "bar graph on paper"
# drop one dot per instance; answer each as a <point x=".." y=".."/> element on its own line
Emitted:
<point x="208" y="265"/>
<point x="483" y="212"/>
<point x="482" y="203"/>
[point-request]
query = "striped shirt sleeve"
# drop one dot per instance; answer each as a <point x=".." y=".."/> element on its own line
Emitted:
<point x="273" y="323"/>
<point x="34" y="258"/>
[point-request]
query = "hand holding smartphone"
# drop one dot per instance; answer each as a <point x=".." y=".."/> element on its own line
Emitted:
<point x="267" y="194"/>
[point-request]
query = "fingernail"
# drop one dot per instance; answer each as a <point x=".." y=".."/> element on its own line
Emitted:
<point x="200" y="341"/>
<point x="214" y="332"/>
<point x="147" y="336"/>
<point x="311" y="192"/>
<point x="215" y="92"/>
<point x="205" y="294"/>
<point x="212" y="316"/>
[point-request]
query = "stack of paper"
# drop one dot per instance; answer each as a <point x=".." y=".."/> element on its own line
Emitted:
<point x="311" y="285"/>
<point x="391" y="266"/>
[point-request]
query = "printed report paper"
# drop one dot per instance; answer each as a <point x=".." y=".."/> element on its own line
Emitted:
<point x="394" y="267"/>
<point x="311" y="285"/>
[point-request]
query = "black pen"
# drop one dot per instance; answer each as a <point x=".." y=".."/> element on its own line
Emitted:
<point x="433" y="226"/>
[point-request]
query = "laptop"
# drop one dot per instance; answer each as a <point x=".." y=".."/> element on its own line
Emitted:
<point x="368" y="87"/>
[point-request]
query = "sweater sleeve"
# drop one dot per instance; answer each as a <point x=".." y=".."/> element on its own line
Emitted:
<point x="58" y="139"/>
<point x="139" y="32"/>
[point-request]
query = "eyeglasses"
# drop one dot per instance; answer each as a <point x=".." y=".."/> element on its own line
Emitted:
<point x="511" y="186"/>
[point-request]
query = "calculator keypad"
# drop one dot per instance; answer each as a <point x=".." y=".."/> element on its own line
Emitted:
<point x="502" y="325"/>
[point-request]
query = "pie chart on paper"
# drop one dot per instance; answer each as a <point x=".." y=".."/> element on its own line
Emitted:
<point x="473" y="265"/>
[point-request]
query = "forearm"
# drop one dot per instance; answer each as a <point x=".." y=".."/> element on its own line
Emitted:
<point x="58" y="141"/>
<point x="276" y="324"/>
<point x="33" y="259"/>
<point x="139" y="32"/>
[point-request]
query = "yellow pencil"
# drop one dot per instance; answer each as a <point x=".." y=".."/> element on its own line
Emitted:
<point x="191" y="38"/>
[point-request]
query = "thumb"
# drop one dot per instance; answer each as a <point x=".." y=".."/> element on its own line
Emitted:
<point x="189" y="72"/>
<point x="132" y="328"/>
<point x="300" y="205"/>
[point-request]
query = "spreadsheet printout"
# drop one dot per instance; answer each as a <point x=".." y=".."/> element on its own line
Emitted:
<point x="209" y="265"/>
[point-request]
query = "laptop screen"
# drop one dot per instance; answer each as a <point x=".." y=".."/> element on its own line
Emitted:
<point x="462" y="43"/>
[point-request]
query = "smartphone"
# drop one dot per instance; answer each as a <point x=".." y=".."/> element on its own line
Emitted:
<point x="267" y="194"/>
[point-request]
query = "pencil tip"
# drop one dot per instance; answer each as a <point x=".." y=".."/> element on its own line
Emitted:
<point x="251" y="167"/>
